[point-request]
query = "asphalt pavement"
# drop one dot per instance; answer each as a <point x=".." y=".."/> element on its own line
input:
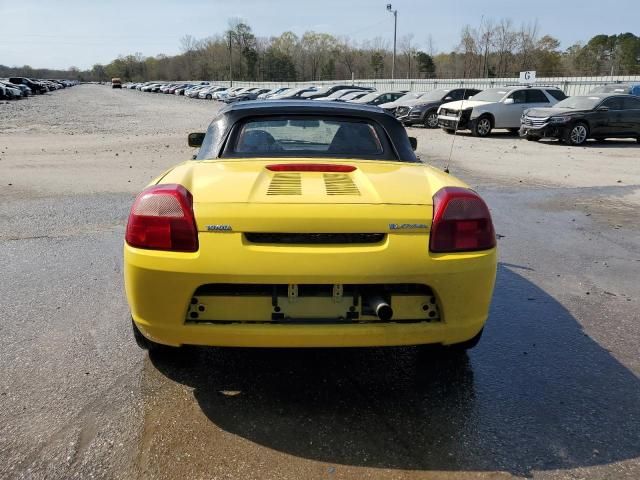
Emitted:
<point x="551" y="392"/>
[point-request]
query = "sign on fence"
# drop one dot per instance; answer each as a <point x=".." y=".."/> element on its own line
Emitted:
<point x="528" y="77"/>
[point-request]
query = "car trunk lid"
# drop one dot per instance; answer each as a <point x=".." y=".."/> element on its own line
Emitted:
<point x="244" y="195"/>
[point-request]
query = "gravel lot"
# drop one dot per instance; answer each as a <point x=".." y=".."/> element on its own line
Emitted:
<point x="552" y="392"/>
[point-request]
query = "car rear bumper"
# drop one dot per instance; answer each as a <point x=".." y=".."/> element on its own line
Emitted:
<point x="160" y="287"/>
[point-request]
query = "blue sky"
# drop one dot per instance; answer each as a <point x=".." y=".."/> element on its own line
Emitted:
<point x="61" y="33"/>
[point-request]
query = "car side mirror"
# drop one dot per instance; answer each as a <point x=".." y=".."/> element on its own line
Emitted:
<point x="509" y="101"/>
<point x="603" y="109"/>
<point x="414" y="142"/>
<point x="196" y="139"/>
<point x="448" y="99"/>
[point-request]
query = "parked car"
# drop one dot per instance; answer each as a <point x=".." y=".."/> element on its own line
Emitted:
<point x="150" y="87"/>
<point x="272" y="92"/>
<point x="11" y="91"/>
<point x="316" y="226"/>
<point x="194" y="91"/>
<point x="629" y="88"/>
<point x="36" y="87"/>
<point x="326" y="91"/>
<point x="390" y="107"/>
<point x="378" y="98"/>
<point x="293" y="94"/>
<point x="233" y="96"/>
<point x="496" y="108"/>
<point x="576" y="119"/>
<point x="337" y="94"/>
<point x="424" y="110"/>
<point x="165" y="88"/>
<point x="221" y="95"/>
<point x="251" y="94"/>
<point x="183" y="88"/>
<point x="24" y="90"/>
<point x="116" y="83"/>
<point x="352" y="96"/>
<point x="207" y="93"/>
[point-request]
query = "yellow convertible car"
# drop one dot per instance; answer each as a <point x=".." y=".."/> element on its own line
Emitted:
<point x="308" y="224"/>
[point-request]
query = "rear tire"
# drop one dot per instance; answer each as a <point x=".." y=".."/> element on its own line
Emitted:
<point x="577" y="135"/>
<point x="481" y="127"/>
<point x="531" y="138"/>
<point x="431" y="119"/>
<point x="208" y="97"/>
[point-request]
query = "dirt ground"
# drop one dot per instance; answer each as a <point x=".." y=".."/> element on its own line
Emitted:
<point x="551" y="392"/>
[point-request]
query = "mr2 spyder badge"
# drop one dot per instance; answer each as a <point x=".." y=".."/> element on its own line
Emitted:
<point x="407" y="226"/>
<point x="219" y="228"/>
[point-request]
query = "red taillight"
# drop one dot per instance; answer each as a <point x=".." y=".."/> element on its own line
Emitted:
<point x="162" y="218"/>
<point x="461" y="222"/>
<point x="310" y="167"/>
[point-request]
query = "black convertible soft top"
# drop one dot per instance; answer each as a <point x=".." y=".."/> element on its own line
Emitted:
<point x="222" y="125"/>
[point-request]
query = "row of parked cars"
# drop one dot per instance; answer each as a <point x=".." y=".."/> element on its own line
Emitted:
<point x="15" y="88"/>
<point x="533" y="111"/>
<point x="207" y="91"/>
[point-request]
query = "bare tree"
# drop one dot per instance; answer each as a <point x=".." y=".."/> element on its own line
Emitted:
<point x="527" y="39"/>
<point x="408" y="50"/>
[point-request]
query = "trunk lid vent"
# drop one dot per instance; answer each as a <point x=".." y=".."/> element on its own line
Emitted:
<point x="340" y="184"/>
<point x="285" y="184"/>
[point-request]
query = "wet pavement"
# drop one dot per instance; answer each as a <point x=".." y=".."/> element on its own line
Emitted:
<point x="548" y="393"/>
<point x="551" y="392"/>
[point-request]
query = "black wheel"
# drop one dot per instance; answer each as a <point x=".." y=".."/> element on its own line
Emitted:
<point x="208" y="97"/>
<point x="577" y="134"/>
<point x="449" y="131"/>
<point x="431" y="119"/>
<point x="481" y="127"/>
<point x="531" y="138"/>
<point x="146" y="344"/>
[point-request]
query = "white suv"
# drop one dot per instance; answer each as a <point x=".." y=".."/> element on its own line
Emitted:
<point x="495" y="108"/>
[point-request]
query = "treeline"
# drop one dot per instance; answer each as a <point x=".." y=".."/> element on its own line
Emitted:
<point x="71" y="73"/>
<point x="494" y="49"/>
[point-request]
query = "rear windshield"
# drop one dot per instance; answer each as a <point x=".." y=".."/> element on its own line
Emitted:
<point x="307" y="137"/>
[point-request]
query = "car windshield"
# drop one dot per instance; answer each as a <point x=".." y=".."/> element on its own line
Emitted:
<point x="307" y="137"/>
<point x="490" y="95"/>
<point x="368" y="97"/>
<point x="434" y="95"/>
<point x="339" y="93"/>
<point x="580" y="103"/>
<point x="410" y="96"/>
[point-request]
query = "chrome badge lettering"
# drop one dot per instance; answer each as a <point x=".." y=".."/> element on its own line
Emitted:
<point x="408" y="226"/>
<point x="219" y="228"/>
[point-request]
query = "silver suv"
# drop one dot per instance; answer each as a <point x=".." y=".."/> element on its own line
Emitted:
<point x="496" y="108"/>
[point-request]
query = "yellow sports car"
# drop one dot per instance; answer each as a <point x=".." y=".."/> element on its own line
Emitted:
<point x="308" y="224"/>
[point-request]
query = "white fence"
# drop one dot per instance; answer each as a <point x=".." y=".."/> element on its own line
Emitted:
<point x="570" y="85"/>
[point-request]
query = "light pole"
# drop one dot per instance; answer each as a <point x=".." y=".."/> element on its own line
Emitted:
<point x="395" y="30"/>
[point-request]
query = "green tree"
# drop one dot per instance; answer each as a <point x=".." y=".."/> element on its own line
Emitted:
<point x="425" y="64"/>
